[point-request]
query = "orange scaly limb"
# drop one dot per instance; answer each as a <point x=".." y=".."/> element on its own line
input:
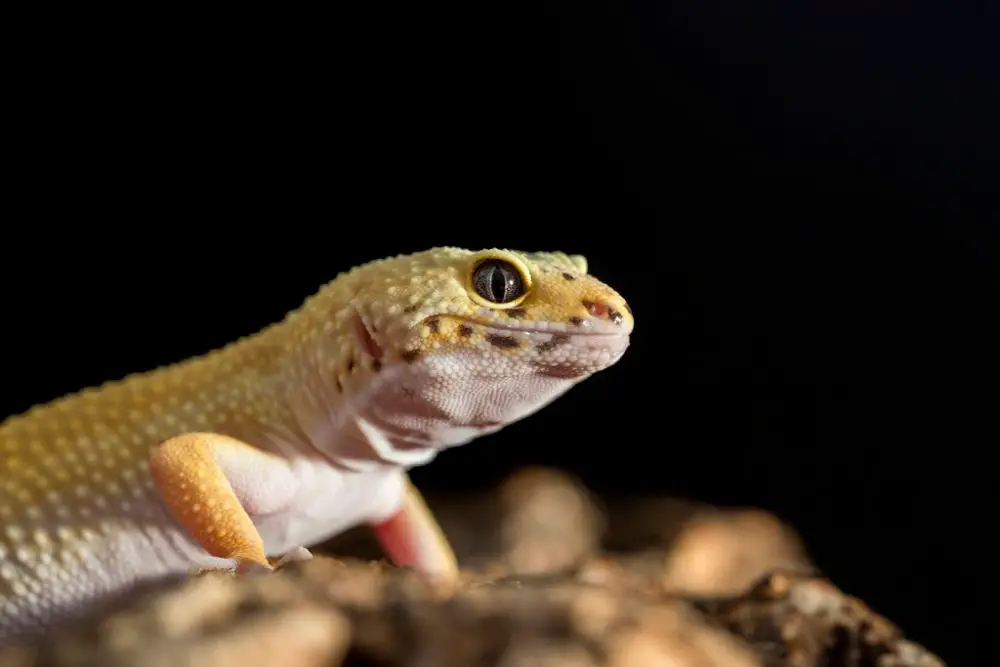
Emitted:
<point x="188" y="472"/>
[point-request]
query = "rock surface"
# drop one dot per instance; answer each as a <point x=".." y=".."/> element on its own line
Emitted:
<point x="551" y="579"/>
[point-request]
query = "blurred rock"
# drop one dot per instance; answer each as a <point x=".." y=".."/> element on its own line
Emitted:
<point x="790" y="619"/>
<point x="549" y="521"/>
<point x="718" y="553"/>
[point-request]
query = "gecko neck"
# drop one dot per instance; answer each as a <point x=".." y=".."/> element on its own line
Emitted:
<point x="325" y="389"/>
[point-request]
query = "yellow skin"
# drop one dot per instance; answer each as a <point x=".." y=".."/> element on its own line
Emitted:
<point x="246" y="455"/>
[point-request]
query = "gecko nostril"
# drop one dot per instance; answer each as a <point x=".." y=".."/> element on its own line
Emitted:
<point x="603" y="311"/>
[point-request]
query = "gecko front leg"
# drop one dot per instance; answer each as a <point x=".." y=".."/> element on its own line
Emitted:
<point x="213" y="484"/>
<point x="413" y="537"/>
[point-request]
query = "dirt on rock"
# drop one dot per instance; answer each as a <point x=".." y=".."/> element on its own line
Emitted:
<point x="551" y="577"/>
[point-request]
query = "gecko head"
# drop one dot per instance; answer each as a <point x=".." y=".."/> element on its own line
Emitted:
<point x="459" y="342"/>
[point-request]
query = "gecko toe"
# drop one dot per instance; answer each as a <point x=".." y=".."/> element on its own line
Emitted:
<point x="296" y="555"/>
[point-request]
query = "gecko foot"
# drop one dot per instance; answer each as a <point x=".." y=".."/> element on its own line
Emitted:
<point x="296" y="555"/>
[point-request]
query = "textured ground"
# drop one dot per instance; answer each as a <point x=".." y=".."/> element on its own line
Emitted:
<point x="551" y="579"/>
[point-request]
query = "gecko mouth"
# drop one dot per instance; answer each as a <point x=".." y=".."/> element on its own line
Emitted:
<point x="594" y="344"/>
<point x="588" y="328"/>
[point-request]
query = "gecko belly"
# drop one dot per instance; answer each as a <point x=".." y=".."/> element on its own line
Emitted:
<point x="327" y="501"/>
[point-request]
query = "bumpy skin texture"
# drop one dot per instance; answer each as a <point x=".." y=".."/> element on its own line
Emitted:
<point x="292" y="435"/>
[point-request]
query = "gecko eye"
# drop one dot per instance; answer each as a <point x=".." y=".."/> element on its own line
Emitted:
<point x="498" y="281"/>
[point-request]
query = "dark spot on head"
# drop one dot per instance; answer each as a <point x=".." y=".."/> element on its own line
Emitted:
<point x="615" y="316"/>
<point x="516" y="313"/>
<point x="568" y="276"/>
<point x="350" y="365"/>
<point x="554" y="342"/>
<point x="412" y="308"/>
<point x="627" y="308"/>
<point x="465" y="331"/>
<point x="499" y="340"/>
<point x="576" y="321"/>
<point x="434" y="323"/>
<point x="409" y="356"/>
<point x="376" y="365"/>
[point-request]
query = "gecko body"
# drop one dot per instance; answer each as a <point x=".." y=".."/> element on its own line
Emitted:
<point x="251" y="452"/>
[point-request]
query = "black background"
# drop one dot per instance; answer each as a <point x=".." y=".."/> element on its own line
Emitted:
<point x="798" y="205"/>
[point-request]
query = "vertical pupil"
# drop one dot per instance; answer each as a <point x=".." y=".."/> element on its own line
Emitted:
<point x="499" y="284"/>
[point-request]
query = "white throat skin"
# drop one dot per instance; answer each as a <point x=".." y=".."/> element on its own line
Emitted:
<point x="405" y="413"/>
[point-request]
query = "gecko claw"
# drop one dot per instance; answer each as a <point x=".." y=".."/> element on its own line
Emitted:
<point x="296" y="555"/>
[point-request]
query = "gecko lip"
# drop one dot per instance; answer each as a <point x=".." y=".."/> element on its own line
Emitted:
<point x="601" y="346"/>
<point x="590" y="328"/>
